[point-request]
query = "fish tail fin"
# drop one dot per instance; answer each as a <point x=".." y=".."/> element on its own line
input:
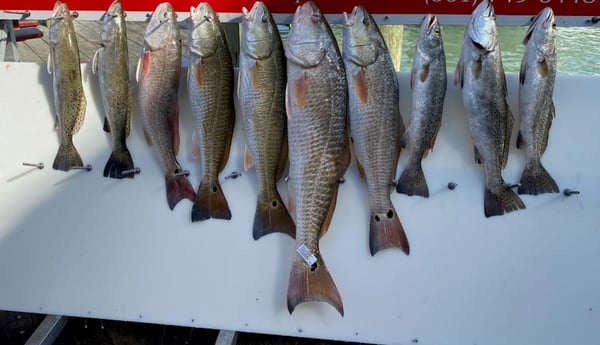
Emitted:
<point x="386" y="231"/>
<point x="120" y="160"/>
<point x="210" y="202"/>
<point x="314" y="283"/>
<point x="67" y="157"/>
<point x="536" y="180"/>
<point x="178" y="188"/>
<point x="272" y="216"/>
<point x="412" y="181"/>
<point x="504" y="202"/>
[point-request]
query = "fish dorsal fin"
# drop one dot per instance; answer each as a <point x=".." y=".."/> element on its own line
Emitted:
<point x="81" y="113"/>
<point x="361" y="85"/>
<point x="174" y="127"/>
<point x="195" y="145"/>
<point x="283" y="156"/>
<point x="228" y="141"/>
<point x="247" y="158"/>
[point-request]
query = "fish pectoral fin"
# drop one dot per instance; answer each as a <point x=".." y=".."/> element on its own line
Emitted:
<point x="254" y="75"/>
<point x="300" y="91"/>
<point x="477" y="67"/>
<point x="424" y="73"/>
<point x="247" y="158"/>
<point x="287" y="103"/>
<point x="542" y="68"/>
<point x="197" y="73"/>
<point x="361" y="85"/>
<point x="49" y="63"/>
<point x="195" y="145"/>
<point x="477" y="155"/>
<point x="459" y="74"/>
<point x="143" y="66"/>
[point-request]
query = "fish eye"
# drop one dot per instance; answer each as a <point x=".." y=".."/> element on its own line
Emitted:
<point x="365" y="21"/>
<point x="315" y="18"/>
<point x="437" y="31"/>
<point x="264" y="19"/>
<point x="554" y="25"/>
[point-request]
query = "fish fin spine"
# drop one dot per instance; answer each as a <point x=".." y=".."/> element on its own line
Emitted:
<point x="309" y="284"/>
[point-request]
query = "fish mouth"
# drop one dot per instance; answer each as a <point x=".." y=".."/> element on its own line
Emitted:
<point x="428" y="22"/>
<point x="357" y="11"/>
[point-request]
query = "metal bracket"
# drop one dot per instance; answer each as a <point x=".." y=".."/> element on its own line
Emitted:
<point x="48" y="330"/>
<point x="227" y="338"/>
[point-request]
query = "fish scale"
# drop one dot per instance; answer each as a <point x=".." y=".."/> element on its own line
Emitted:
<point x="316" y="103"/>
<point x="261" y="94"/>
<point x="210" y="88"/>
<point x="375" y="123"/>
<point x="69" y="98"/>
<point x="158" y="76"/>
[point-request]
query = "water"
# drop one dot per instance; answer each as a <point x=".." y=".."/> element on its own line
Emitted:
<point x="578" y="48"/>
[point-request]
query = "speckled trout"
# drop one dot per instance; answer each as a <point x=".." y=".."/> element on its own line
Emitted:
<point x="536" y="108"/>
<point x="428" y="79"/>
<point x="316" y="99"/>
<point x="210" y="89"/>
<point x="158" y="76"/>
<point x="261" y="93"/>
<point x="111" y="64"/>
<point x="481" y="76"/>
<point x="69" y="99"/>
<point x="375" y="123"/>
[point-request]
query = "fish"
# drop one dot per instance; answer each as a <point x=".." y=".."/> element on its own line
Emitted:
<point x="261" y="94"/>
<point x="69" y="99"/>
<point x="375" y="123"/>
<point x="210" y="89"/>
<point x="428" y="80"/>
<point x="536" y="107"/>
<point x="316" y="106"/>
<point x="480" y="75"/>
<point x="111" y="64"/>
<point x="158" y="74"/>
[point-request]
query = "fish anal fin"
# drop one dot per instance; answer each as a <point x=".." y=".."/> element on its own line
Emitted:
<point x="247" y="158"/>
<point x="361" y="85"/>
<point x="195" y="145"/>
<point x="312" y="284"/>
<point x="476" y="155"/>
<point x="147" y="137"/>
<point x="520" y="142"/>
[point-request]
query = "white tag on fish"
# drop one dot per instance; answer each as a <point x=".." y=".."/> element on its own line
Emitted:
<point x="305" y="254"/>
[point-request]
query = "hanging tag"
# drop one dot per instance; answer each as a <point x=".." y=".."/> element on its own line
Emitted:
<point x="305" y="254"/>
